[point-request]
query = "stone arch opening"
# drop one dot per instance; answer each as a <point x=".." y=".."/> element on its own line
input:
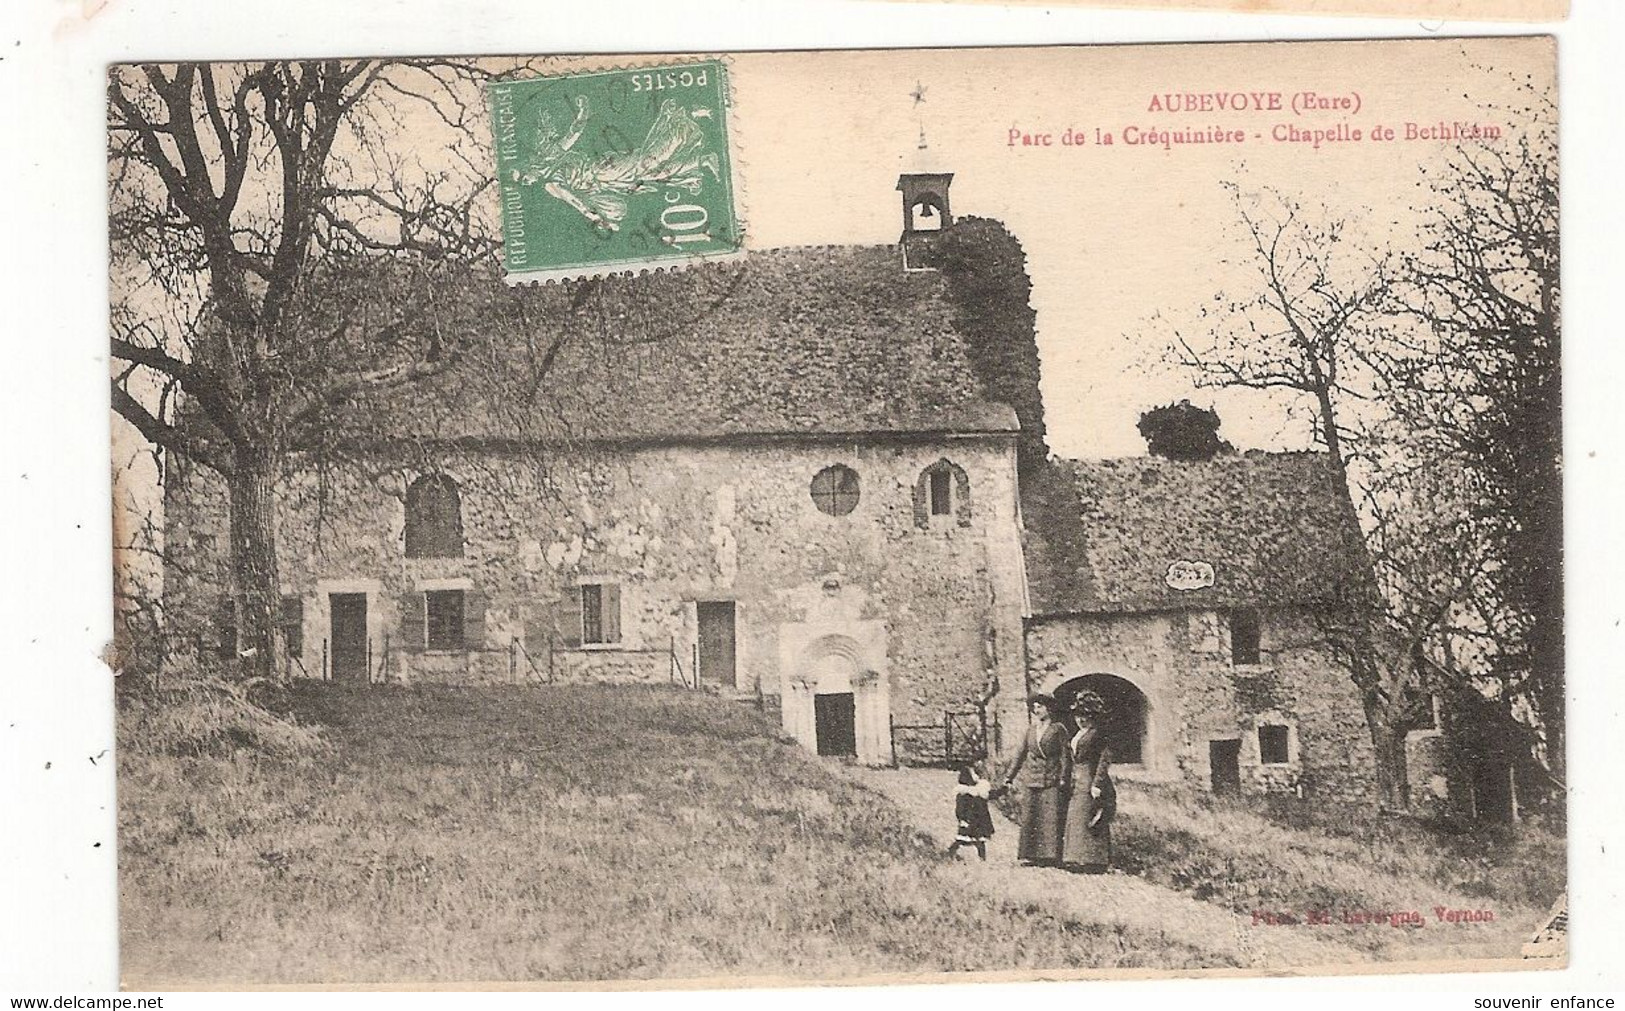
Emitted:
<point x="926" y="213"/>
<point x="1127" y="718"/>
<point x="830" y="664"/>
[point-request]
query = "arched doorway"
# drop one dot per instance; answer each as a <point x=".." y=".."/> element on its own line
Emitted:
<point x="835" y="724"/>
<point x="1125" y="722"/>
<point x="836" y="702"/>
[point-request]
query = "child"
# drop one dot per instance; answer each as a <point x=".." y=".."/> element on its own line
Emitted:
<point x="970" y="809"/>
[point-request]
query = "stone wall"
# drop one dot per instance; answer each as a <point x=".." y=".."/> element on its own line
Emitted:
<point x="1181" y="662"/>
<point x="670" y="526"/>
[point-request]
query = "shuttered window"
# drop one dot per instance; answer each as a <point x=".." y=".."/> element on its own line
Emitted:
<point x="434" y="518"/>
<point x="412" y="622"/>
<point x="600" y="613"/>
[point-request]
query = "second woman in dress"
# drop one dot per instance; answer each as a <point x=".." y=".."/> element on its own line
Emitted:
<point x="1089" y="812"/>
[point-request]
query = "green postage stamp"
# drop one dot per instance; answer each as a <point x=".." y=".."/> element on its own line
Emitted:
<point x="615" y="170"/>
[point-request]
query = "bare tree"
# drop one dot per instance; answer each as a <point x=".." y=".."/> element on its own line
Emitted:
<point x="251" y="208"/>
<point x="1433" y="381"/>
<point x="1486" y="395"/>
<point x="1317" y="325"/>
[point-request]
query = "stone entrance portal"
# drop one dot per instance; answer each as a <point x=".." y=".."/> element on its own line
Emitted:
<point x="835" y="696"/>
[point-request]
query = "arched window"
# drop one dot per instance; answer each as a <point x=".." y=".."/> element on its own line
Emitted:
<point x="835" y="490"/>
<point x="434" y="518"/>
<point x="942" y="490"/>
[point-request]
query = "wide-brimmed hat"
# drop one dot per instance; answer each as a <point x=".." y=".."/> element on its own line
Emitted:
<point x="1087" y="703"/>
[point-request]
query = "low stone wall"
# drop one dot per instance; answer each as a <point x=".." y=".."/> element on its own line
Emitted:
<point x="471" y="667"/>
<point x="612" y="667"/>
<point x="486" y="667"/>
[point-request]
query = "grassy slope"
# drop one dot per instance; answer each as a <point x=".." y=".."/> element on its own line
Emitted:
<point x="1341" y="860"/>
<point x="545" y="834"/>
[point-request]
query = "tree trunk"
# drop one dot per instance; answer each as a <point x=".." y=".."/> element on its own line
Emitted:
<point x="254" y="565"/>
<point x="1388" y="745"/>
<point x="1547" y="659"/>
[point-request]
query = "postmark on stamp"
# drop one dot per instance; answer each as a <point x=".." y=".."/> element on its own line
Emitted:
<point x="615" y="170"/>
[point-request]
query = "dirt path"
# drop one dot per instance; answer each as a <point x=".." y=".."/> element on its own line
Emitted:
<point x="925" y="795"/>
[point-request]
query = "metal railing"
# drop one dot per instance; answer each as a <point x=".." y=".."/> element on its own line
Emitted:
<point x="520" y="660"/>
<point x="375" y="674"/>
<point x="516" y="649"/>
<point x="520" y="657"/>
<point x="961" y="736"/>
<point x="678" y="674"/>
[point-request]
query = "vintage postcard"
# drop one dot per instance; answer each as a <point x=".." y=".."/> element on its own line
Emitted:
<point x="729" y="520"/>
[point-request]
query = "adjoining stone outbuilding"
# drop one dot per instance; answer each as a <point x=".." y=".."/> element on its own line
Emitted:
<point x="1185" y="594"/>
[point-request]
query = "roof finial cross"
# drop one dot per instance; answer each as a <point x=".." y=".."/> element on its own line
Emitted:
<point x="918" y="94"/>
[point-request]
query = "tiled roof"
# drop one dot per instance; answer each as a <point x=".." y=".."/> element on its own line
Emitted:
<point x="794" y="342"/>
<point x="1102" y="534"/>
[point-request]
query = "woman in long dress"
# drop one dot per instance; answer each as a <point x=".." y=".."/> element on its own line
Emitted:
<point x="1093" y="804"/>
<point x="1044" y="764"/>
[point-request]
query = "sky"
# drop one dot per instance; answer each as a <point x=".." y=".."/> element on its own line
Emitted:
<point x="1123" y="242"/>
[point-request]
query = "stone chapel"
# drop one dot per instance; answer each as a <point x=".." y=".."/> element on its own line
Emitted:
<point x="801" y="493"/>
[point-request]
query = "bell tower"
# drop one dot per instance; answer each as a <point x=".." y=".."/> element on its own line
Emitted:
<point x="925" y="202"/>
<point x="925" y="214"/>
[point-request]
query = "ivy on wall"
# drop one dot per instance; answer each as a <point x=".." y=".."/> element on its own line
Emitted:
<point x="991" y="294"/>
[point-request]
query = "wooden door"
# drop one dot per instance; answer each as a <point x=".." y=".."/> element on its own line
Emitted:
<point x="835" y="721"/>
<point x="716" y="619"/>
<point x="349" y="635"/>
<point x="1224" y="758"/>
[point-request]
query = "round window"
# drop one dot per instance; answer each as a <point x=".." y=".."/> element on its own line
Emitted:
<point x="835" y="490"/>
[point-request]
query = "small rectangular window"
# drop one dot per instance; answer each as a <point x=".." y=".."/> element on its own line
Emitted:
<point x="1244" y="636"/>
<point x="600" y="613"/>
<point x="444" y="613"/>
<point x="942" y="502"/>
<point x="1272" y="744"/>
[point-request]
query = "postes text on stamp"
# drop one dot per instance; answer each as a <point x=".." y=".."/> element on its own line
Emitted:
<point x="615" y="170"/>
